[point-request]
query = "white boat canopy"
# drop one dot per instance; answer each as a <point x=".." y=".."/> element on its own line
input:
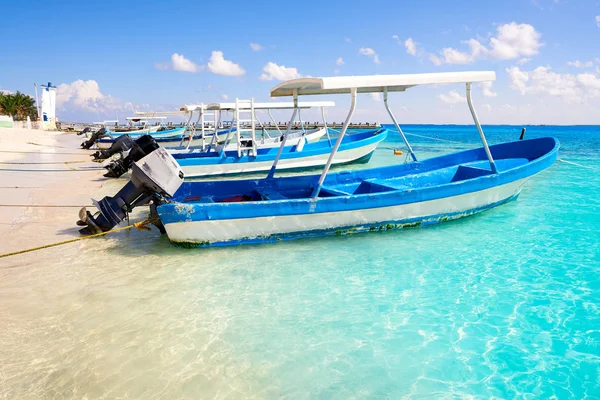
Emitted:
<point x="375" y="83"/>
<point x="281" y="105"/>
<point x="143" y="118"/>
<point x="379" y="84"/>
<point x="151" y="114"/>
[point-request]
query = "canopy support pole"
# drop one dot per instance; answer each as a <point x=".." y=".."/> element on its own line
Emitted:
<point x="317" y="189"/>
<point x="476" y="120"/>
<point x="188" y="126"/>
<point x="289" y="127"/>
<point x="274" y="122"/>
<point x="325" y="125"/>
<point x="387" y="107"/>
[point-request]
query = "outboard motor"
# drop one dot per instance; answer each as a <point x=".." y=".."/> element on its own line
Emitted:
<point x="140" y="149"/>
<point x="84" y="131"/>
<point x="154" y="178"/>
<point x="122" y="144"/>
<point x="100" y="133"/>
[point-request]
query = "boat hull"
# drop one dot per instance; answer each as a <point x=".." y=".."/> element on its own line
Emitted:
<point x="406" y="195"/>
<point x="358" y="147"/>
<point x="270" y="229"/>
<point x="361" y="154"/>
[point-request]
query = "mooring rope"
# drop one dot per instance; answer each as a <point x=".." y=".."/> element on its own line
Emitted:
<point x="139" y="225"/>
<point x="45" y="162"/>
<point x="49" y="145"/>
<point x="41" y="152"/>
<point x="71" y="169"/>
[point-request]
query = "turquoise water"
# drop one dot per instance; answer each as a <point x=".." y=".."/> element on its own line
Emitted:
<point x="504" y="304"/>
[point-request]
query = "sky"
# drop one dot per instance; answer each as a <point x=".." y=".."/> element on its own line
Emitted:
<point x="111" y="58"/>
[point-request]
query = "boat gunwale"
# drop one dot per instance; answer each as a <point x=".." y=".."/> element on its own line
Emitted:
<point x="177" y="211"/>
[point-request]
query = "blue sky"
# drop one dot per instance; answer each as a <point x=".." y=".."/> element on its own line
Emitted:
<point x="111" y="57"/>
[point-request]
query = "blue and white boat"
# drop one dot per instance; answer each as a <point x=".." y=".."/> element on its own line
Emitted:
<point x="243" y="151"/>
<point x="203" y="134"/>
<point x="413" y="194"/>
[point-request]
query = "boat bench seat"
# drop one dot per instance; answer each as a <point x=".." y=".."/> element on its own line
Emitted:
<point x="328" y="190"/>
<point x="387" y="183"/>
<point x="270" y="194"/>
<point x="198" y="199"/>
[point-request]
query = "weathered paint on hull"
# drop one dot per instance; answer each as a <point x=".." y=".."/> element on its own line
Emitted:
<point x="273" y="228"/>
<point x="342" y="157"/>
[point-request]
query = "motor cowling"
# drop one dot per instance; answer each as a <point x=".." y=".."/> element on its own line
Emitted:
<point x="143" y="146"/>
<point x="122" y="144"/>
<point x="154" y="178"/>
<point x="100" y="133"/>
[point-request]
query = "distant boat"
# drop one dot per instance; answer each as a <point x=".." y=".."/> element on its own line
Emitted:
<point x="242" y="151"/>
<point x="417" y="193"/>
<point x="166" y="134"/>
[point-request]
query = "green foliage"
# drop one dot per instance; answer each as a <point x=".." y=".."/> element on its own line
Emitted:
<point x="18" y="105"/>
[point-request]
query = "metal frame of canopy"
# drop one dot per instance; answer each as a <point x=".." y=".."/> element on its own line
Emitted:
<point x="378" y="84"/>
<point x="249" y="106"/>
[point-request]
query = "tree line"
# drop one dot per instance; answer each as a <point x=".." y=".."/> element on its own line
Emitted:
<point x="18" y="105"/>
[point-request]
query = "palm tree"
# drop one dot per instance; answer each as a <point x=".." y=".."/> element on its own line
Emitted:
<point x="18" y="105"/>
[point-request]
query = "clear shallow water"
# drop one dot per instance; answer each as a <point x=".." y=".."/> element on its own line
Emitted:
<point x="501" y="304"/>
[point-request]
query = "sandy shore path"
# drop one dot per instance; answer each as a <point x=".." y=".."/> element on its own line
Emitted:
<point x="40" y="174"/>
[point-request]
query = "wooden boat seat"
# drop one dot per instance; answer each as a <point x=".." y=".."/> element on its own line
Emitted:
<point x="270" y="194"/>
<point x="464" y="172"/>
<point x="387" y="183"/>
<point x="328" y="191"/>
<point x="198" y="199"/>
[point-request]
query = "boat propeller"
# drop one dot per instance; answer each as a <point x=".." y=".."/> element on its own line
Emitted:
<point x="154" y="179"/>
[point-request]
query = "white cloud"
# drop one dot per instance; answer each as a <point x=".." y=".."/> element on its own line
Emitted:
<point x="340" y="61"/>
<point x="224" y="97"/>
<point x="486" y="88"/>
<point x="542" y="80"/>
<point x="598" y="21"/>
<point x="180" y="63"/>
<point x="579" y="64"/>
<point x="256" y="47"/>
<point x="220" y="66"/>
<point x="523" y="61"/>
<point x="512" y="41"/>
<point x="487" y="107"/>
<point x="369" y="52"/>
<point x="452" y="97"/>
<point x="347" y="40"/>
<point x="411" y="46"/>
<point x="278" y="72"/>
<point x="3" y="91"/>
<point x="86" y="96"/>
<point x="376" y="97"/>
<point x="435" y="59"/>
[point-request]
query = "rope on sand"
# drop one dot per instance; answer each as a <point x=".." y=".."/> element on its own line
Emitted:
<point x="44" y="162"/>
<point x="71" y="169"/>
<point x="139" y="225"/>
<point x="40" y="152"/>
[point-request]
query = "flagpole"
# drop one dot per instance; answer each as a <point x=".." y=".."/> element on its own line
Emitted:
<point x="37" y="102"/>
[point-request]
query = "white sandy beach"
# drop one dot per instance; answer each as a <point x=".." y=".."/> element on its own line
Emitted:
<point x="32" y="205"/>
